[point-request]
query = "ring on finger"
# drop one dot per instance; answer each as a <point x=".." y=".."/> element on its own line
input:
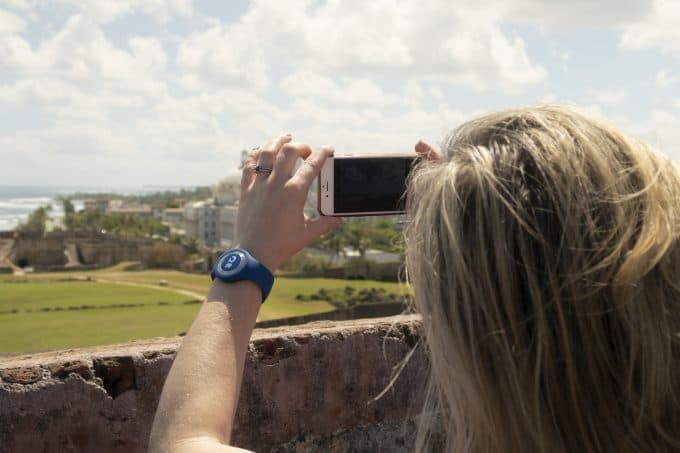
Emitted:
<point x="262" y="170"/>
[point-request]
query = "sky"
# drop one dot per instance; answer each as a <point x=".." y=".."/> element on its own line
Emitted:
<point x="154" y="92"/>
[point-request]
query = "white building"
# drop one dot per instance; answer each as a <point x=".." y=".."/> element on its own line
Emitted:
<point x="201" y="220"/>
<point x="213" y="221"/>
<point x="173" y="217"/>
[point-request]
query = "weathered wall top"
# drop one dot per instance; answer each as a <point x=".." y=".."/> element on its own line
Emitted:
<point x="305" y="387"/>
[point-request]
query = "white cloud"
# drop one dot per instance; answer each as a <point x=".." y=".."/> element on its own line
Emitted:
<point x="222" y="56"/>
<point x="575" y="14"/>
<point x="41" y="91"/>
<point x="10" y="23"/>
<point x="659" y="127"/>
<point x="161" y="10"/>
<point x="658" y="30"/>
<point x="351" y="91"/>
<point x="665" y="77"/>
<point x="431" y="40"/>
<point x="105" y="11"/>
<point x="16" y="53"/>
<point x="81" y="54"/>
<point x="149" y="52"/>
<point x="662" y="130"/>
<point x="18" y="4"/>
<point x="363" y="76"/>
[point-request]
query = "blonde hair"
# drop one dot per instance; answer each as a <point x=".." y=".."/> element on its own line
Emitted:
<point x="545" y="259"/>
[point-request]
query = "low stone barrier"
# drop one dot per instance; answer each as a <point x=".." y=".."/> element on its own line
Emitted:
<point x="372" y="310"/>
<point x="306" y="388"/>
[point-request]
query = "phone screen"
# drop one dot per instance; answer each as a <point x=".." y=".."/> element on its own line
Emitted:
<point x="370" y="184"/>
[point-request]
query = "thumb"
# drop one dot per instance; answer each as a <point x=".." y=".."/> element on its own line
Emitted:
<point x="321" y="225"/>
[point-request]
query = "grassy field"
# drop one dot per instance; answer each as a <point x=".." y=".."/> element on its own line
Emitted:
<point x="53" y="295"/>
<point x="63" y="310"/>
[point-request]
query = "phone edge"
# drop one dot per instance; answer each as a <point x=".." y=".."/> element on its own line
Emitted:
<point x="326" y="173"/>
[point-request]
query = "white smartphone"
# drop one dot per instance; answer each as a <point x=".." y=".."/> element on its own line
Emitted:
<point x="364" y="185"/>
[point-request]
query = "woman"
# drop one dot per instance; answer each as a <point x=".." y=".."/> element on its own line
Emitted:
<point x="543" y="250"/>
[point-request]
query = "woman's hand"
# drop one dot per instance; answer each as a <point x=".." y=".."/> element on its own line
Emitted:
<point x="196" y="411"/>
<point x="271" y="223"/>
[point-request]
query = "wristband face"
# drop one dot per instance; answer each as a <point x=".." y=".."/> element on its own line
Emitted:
<point x="238" y="264"/>
<point x="231" y="263"/>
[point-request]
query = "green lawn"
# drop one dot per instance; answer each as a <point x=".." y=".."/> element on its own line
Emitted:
<point x="31" y="332"/>
<point x="34" y="296"/>
<point x="176" y="279"/>
<point x="164" y="311"/>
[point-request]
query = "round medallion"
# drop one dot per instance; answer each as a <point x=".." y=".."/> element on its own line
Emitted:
<point x="232" y="263"/>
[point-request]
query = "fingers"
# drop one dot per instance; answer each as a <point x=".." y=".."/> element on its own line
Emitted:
<point x="311" y="167"/>
<point x="268" y="154"/>
<point x="321" y="225"/>
<point x="428" y="151"/>
<point x="248" y="164"/>
<point x="286" y="159"/>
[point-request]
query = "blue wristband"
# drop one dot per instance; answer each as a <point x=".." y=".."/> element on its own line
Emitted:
<point x="238" y="264"/>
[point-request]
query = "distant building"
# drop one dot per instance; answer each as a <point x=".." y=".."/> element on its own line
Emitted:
<point x="114" y="204"/>
<point x="173" y="217"/>
<point x="213" y="221"/>
<point x="142" y="210"/>
<point x="201" y="220"/>
<point x="212" y="224"/>
<point x="118" y="207"/>
<point x="92" y="204"/>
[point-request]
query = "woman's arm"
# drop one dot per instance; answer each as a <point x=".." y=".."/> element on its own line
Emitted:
<point x="201" y="391"/>
<point x="198" y="402"/>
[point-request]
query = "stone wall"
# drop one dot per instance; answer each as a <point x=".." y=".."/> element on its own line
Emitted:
<point x="151" y="253"/>
<point x="38" y="252"/>
<point x="362" y="311"/>
<point x="306" y="388"/>
<point x="93" y="249"/>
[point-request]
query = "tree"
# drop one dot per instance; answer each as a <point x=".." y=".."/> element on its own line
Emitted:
<point x="334" y="242"/>
<point x="361" y="235"/>
<point x="36" y="221"/>
<point x="358" y="236"/>
<point x="130" y="225"/>
<point x="69" y="212"/>
<point x="68" y="206"/>
<point x="385" y="236"/>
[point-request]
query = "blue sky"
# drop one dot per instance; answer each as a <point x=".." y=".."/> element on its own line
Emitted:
<point x="135" y="92"/>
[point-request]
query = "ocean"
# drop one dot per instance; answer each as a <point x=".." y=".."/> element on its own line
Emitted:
<point x="17" y="202"/>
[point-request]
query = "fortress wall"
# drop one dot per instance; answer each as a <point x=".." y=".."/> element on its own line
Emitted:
<point x="39" y="251"/>
<point x="305" y="388"/>
<point x="151" y="253"/>
<point x="94" y="249"/>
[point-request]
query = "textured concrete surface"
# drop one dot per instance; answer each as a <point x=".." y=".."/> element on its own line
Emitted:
<point x="305" y="388"/>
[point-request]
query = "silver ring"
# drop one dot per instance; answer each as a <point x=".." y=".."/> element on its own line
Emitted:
<point x="261" y="170"/>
